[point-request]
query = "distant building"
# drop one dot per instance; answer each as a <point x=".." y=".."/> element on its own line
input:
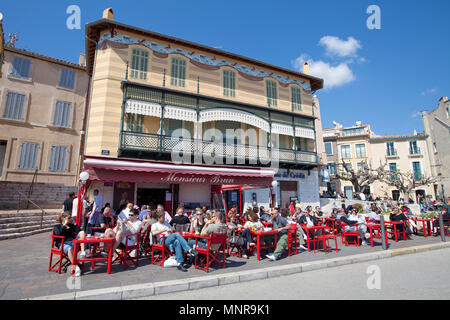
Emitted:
<point x="42" y="108"/>
<point x="358" y="146"/>
<point x="436" y="124"/>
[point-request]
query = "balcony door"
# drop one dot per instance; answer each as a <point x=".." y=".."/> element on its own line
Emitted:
<point x="2" y="155"/>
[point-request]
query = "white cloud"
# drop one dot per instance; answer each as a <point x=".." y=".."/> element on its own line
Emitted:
<point x="416" y="114"/>
<point x="429" y="91"/>
<point x="334" y="76"/>
<point x="340" y="48"/>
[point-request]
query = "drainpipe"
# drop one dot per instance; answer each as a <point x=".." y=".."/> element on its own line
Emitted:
<point x="83" y="136"/>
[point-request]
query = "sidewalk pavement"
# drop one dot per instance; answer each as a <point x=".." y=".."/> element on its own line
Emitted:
<point x="24" y="275"/>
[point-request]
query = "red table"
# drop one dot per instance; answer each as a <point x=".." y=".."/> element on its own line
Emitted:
<point x="260" y="234"/>
<point x="395" y="224"/>
<point x="376" y="226"/>
<point x="93" y="240"/>
<point x="188" y="235"/>
<point x="426" y="225"/>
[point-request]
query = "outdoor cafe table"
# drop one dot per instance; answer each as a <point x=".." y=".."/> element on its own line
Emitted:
<point x="95" y="240"/>
<point x="260" y="234"/>
<point x="426" y="224"/>
<point x="308" y="229"/>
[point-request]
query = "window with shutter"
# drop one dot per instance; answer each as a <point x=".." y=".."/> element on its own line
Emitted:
<point x="229" y="83"/>
<point x="178" y="72"/>
<point x="58" y="158"/>
<point x="296" y="96"/>
<point x="14" y="106"/>
<point x="28" y="156"/>
<point x="21" y="67"/>
<point x="271" y="93"/>
<point x="67" y="79"/>
<point x="62" y="114"/>
<point x="139" y="64"/>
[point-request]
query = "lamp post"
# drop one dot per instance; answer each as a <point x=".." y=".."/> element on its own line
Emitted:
<point x="84" y="177"/>
<point x="274" y="185"/>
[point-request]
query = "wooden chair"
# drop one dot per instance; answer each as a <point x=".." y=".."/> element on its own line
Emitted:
<point x="163" y="251"/>
<point x="292" y="240"/>
<point x="125" y="254"/>
<point x="346" y="234"/>
<point x="210" y="256"/>
<point x="63" y="259"/>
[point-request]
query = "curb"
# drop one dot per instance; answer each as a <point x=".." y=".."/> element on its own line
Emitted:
<point x="156" y="288"/>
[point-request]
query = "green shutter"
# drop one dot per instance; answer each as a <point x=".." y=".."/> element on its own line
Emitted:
<point x="139" y="64"/>
<point x="271" y="93"/>
<point x="178" y="73"/>
<point x="296" y="99"/>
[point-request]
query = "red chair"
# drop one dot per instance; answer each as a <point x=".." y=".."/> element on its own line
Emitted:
<point x="346" y="234"/>
<point x="164" y="251"/>
<point x="63" y="260"/>
<point x="392" y="229"/>
<point x="210" y="255"/>
<point x="292" y="240"/>
<point x="125" y="254"/>
<point x="325" y="238"/>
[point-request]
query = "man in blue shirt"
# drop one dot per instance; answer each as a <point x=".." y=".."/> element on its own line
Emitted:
<point x="282" y="225"/>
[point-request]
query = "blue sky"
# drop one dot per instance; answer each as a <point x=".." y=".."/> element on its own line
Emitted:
<point x="380" y="77"/>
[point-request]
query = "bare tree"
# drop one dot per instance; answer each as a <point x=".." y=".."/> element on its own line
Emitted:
<point x="361" y="178"/>
<point x="406" y="182"/>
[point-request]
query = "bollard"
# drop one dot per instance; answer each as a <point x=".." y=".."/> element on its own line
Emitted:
<point x="441" y="227"/>
<point x="383" y="232"/>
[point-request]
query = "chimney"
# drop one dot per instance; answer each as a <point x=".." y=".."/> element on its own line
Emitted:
<point x="306" y="68"/>
<point x="415" y="132"/>
<point x="358" y="123"/>
<point x="82" y="60"/>
<point x="108" y="14"/>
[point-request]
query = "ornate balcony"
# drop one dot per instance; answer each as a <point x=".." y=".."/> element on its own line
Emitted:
<point x="164" y="146"/>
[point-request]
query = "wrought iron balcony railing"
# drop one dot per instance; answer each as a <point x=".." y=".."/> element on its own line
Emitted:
<point x="167" y="144"/>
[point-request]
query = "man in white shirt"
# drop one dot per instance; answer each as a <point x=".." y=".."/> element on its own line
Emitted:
<point x="125" y="212"/>
<point x="125" y="227"/>
<point x="179" y="244"/>
<point x="167" y="217"/>
<point x="362" y="228"/>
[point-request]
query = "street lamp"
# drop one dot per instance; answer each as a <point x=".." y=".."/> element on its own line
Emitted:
<point x="274" y="185"/>
<point x="84" y="177"/>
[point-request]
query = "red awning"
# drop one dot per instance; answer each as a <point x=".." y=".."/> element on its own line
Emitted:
<point x="117" y="170"/>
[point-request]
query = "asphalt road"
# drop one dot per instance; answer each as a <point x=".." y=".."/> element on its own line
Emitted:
<point x="421" y="276"/>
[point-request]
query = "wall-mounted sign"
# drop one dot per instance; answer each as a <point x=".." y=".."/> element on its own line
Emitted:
<point x="291" y="175"/>
<point x="105" y="152"/>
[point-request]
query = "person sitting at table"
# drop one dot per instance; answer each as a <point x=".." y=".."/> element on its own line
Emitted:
<point x="446" y="216"/>
<point x="125" y="227"/>
<point x="216" y="225"/>
<point x="232" y="218"/>
<point x="148" y="220"/>
<point x="280" y="224"/>
<point x="173" y="240"/>
<point x="197" y="221"/>
<point x="361" y="222"/>
<point x="397" y="215"/>
<point x="374" y="215"/>
<point x="180" y="222"/>
<point x="208" y="216"/>
<point x="318" y="212"/>
<point x="252" y="223"/>
<point x="266" y="217"/>
<point x="69" y="231"/>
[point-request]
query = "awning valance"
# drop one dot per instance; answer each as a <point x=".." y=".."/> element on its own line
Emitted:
<point x="114" y="170"/>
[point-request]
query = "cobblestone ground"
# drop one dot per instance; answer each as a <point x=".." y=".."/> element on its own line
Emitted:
<point x="24" y="265"/>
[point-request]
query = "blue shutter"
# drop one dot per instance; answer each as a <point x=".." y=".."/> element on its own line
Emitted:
<point x="28" y="155"/>
<point x="21" y="67"/>
<point x="14" y="106"/>
<point x="67" y="79"/>
<point x="62" y="114"/>
<point x="58" y="158"/>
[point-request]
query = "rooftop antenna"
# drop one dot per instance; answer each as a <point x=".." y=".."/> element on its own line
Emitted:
<point x="12" y="39"/>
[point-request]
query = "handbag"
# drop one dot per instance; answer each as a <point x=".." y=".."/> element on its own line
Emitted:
<point x="170" y="262"/>
<point x="236" y="241"/>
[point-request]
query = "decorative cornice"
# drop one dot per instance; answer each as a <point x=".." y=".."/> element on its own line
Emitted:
<point x="200" y="58"/>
